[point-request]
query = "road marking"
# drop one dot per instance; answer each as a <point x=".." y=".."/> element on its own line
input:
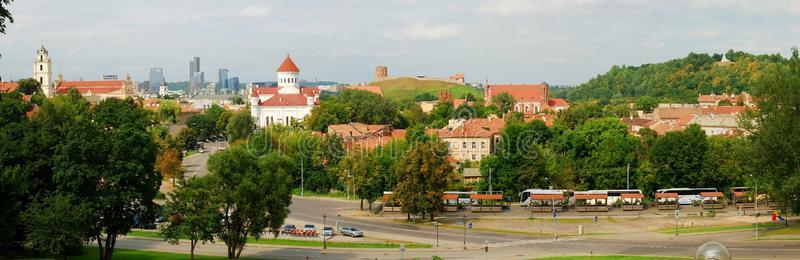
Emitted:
<point x="530" y="242"/>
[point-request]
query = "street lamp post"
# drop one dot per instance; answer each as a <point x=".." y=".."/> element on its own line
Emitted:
<point x="436" y="225"/>
<point x="553" y="208"/>
<point x="324" y="241"/>
<point x="302" y="178"/>
<point x="756" y="198"/>
<point x="465" y="231"/>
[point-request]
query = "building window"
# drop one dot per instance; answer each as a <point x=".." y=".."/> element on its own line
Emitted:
<point x="483" y="144"/>
<point x="41" y="81"/>
<point x="473" y="157"/>
<point x="464" y="145"/>
<point x="474" y="145"/>
<point x="41" y="67"/>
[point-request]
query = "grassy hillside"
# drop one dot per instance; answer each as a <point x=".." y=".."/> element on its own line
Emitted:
<point x="410" y="87"/>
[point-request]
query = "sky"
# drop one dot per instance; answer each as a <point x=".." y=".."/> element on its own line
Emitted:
<point x="503" y="41"/>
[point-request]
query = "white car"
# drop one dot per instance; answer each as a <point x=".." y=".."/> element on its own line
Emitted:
<point x="327" y="231"/>
<point x="351" y="231"/>
<point x="309" y="227"/>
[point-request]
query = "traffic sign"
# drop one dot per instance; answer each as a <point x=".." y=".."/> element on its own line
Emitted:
<point x="677" y="213"/>
<point x="470" y="225"/>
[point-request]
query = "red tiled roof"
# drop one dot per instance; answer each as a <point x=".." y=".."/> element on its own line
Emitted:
<point x="666" y="195"/>
<point x="685" y="120"/>
<point x="373" y="89"/>
<point x="279" y="100"/>
<point x="738" y="194"/>
<point x="523" y="92"/>
<point x="459" y="102"/>
<point x="264" y="91"/>
<point x="96" y="86"/>
<point x="712" y="194"/>
<point x="476" y="127"/>
<point x="557" y="102"/>
<point x="8" y="86"/>
<point x="663" y="127"/>
<point x="673" y="113"/>
<point x="486" y="196"/>
<point x="632" y="196"/>
<point x="591" y="196"/>
<point x="643" y="122"/>
<point x="724" y="110"/>
<point x="288" y="65"/>
<point x="548" y="119"/>
<point x="309" y="91"/>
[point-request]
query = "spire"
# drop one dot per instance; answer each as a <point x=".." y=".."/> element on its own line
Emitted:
<point x="288" y="65"/>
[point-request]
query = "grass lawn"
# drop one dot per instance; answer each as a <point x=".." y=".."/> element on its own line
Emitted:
<point x="410" y="87"/>
<point x="715" y="229"/>
<point x="307" y="243"/>
<point x="612" y="257"/>
<point x="90" y="253"/>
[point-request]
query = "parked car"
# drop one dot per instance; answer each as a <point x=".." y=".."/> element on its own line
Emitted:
<point x="352" y="231"/>
<point x="327" y="231"/>
<point x="200" y="150"/>
<point x="288" y="228"/>
<point x="309" y="227"/>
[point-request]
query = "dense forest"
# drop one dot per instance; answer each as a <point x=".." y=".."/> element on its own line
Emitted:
<point x="678" y="80"/>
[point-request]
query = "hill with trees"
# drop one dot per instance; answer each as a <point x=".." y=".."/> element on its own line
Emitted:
<point x="400" y="88"/>
<point x="678" y="80"/>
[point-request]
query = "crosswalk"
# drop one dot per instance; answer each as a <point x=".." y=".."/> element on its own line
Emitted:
<point x="530" y="242"/>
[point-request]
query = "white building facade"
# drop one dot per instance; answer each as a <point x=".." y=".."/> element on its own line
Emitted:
<point x="286" y="103"/>
<point x="42" y="71"/>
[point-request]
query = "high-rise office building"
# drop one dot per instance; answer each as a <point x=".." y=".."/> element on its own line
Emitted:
<point x="194" y="67"/>
<point x="156" y="77"/>
<point x="197" y="82"/>
<point x="222" y="82"/>
<point x="233" y="84"/>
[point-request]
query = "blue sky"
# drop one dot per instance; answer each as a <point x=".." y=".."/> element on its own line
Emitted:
<point x="504" y="41"/>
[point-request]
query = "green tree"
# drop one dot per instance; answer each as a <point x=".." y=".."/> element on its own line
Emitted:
<point x="108" y="161"/>
<point x="12" y="108"/>
<point x="352" y="106"/>
<point x="254" y="194"/>
<point x="504" y="102"/>
<point x="646" y="103"/>
<point x="579" y="113"/>
<point x="425" y="96"/>
<point x="364" y="173"/>
<point x="169" y="111"/>
<point x="56" y="224"/>
<point x="240" y="126"/>
<point x="5" y="15"/>
<point x="237" y="100"/>
<point x="193" y="213"/>
<point x="29" y="86"/>
<point x="774" y="127"/>
<point x="678" y="158"/>
<point x="424" y="175"/>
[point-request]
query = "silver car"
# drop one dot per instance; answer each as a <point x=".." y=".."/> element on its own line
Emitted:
<point x="351" y="231"/>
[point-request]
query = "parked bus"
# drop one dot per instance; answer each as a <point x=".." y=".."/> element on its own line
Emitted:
<point x="616" y="195"/>
<point x="525" y="196"/>
<point x="687" y="195"/>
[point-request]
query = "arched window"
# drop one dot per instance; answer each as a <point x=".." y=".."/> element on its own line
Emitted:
<point x="536" y="109"/>
<point x="41" y="58"/>
<point x="41" y="80"/>
<point x="41" y="67"/>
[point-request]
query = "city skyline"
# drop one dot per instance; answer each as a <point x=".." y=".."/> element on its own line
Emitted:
<point x="561" y="43"/>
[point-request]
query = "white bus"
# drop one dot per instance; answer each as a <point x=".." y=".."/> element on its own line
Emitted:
<point x="687" y="195"/>
<point x="525" y="196"/>
<point x="615" y="195"/>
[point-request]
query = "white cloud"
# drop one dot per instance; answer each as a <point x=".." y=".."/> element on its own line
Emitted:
<point x="653" y="44"/>
<point x="525" y="7"/>
<point x="425" y="31"/>
<point x="255" y="12"/>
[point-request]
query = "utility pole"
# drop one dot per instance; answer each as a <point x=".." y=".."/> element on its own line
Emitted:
<point x="465" y="231"/>
<point x="756" y="198"/>
<point x="490" y="180"/>
<point x="628" y="173"/>
<point x="302" y="178"/>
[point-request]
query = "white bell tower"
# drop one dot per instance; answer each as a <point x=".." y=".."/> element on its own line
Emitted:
<point x="42" y="71"/>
